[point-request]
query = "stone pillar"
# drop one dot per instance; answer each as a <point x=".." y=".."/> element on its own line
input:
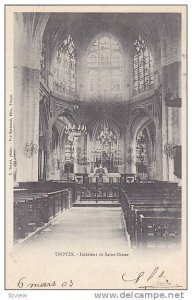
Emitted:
<point x="75" y="140"/>
<point x="82" y="144"/>
<point x="164" y="137"/>
<point x="170" y="116"/>
<point x="132" y="167"/>
<point x="89" y="153"/>
<point x="49" y="148"/>
<point x="26" y="98"/>
<point x="26" y="119"/>
<point x="158" y="155"/>
<point x="129" y="153"/>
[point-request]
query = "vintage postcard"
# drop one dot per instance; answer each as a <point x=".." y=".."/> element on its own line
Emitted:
<point x="96" y="108"/>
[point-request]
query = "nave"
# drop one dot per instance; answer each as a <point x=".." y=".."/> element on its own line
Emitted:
<point x="109" y="232"/>
<point x="149" y="214"/>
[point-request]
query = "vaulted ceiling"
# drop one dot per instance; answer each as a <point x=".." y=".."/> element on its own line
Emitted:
<point x="85" y="26"/>
<point x="155" y="28"/>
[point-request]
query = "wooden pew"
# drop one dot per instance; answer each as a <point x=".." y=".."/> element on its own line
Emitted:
<point x="20" y="219"/>
<point x="159" y="231"/>
<point x="135" y="225"/>
<point x="128" y="206"/>
<point x="166" y="206"/>
<point x="33" y="210"/>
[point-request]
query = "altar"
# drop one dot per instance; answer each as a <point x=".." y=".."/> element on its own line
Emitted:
<point x="110" y="178"/>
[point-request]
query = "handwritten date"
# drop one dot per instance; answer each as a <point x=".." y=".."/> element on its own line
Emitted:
<point x="24" y="284"/>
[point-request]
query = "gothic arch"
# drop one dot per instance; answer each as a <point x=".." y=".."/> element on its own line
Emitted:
<point x="147" y="128"/>
<point x="139" y="116"/>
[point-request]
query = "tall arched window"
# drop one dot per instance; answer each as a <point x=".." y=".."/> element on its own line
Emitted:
<point x="105" y="67"/>
<point x="142" y="67"/>
<point x="64" y="70"/>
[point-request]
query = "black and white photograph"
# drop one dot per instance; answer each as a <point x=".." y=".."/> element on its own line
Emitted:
<point x="96" y="103"/>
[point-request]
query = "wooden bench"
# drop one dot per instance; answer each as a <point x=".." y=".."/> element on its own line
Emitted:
<point x="33" y="210"/>
<point x="128" y="203"/>
<point x="159" y="232"/>
<point x="166" y="207"/>
<point x="135" y="225"/>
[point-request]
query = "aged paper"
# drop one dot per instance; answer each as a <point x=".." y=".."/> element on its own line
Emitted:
<point x="87" y="262"/>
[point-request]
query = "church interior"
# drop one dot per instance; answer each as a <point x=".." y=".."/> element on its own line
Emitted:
<point x="97" y="125"/>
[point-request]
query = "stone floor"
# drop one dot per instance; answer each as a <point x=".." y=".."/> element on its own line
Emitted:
<point x="84" y="228"/>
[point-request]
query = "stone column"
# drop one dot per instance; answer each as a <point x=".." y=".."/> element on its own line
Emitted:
<point x="171" y="116"/>
<point x="49" y="147"/>
<point x="75" y="139"/>
<point x="26" y="99"/>
<point x="26" y="119"/>
<point x="129" y="152"/>
<point x="89" y="153"/>
<point x="158" y="155"/>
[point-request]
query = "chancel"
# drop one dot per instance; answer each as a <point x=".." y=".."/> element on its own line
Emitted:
<point x="97" y="123"/>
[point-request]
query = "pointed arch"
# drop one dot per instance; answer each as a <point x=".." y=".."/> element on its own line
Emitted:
<point x="144" y="147"/>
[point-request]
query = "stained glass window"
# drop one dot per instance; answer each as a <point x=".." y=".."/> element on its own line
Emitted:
<point x="142" y="152"/>
<point x="64" y="71"/>
<point x="105" y="67"/>
<point x="142" y="67"/>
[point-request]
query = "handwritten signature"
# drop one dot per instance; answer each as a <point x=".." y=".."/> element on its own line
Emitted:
<point x="156" y="279"/>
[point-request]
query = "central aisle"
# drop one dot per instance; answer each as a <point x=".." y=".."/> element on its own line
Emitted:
<point x="80" y="241"/>
<point x="84" y="228"/>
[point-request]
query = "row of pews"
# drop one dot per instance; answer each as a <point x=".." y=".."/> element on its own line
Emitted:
<point x="35" y="207"/>
<point x="152" y="214"/>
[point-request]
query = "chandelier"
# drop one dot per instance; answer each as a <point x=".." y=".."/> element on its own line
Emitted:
<point x="169" y="150"/>
<point x="30" y="149"/>
<point x="76" y="130"/>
